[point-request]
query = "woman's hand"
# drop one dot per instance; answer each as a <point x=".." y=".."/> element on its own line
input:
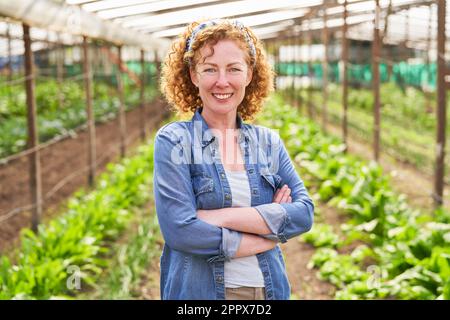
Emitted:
<point x="282" y="195"/>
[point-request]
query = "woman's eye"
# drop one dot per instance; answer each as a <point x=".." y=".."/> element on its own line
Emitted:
<point x="209" y="70"/>
<point x="235" y="70"/>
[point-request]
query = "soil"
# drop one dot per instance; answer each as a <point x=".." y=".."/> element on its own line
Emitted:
<point x="304" y="281"/>
<point x="61" y="160"/>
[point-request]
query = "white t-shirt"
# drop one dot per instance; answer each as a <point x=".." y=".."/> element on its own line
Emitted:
<point x="245" y="271"/>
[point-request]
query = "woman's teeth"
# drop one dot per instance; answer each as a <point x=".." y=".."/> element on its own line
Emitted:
<point x="222" y="96"/>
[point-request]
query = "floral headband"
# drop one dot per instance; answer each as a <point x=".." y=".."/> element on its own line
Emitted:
<point x="210" y="23"/>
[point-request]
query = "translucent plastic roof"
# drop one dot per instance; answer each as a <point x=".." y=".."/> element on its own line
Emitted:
<point x="151" y="24"/>
<point x="168" y="18"/>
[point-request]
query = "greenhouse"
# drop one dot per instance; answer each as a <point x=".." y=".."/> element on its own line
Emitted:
<point x="93" y="205"/>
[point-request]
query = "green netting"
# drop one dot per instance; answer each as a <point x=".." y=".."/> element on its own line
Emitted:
<point x="419" y="75"/>
<point x="415" y="74"/>
<point x="301" y="69"/>
<point x="363" y="73"/>
<point x="136" y="66"/>
<point x="70" y="70"/>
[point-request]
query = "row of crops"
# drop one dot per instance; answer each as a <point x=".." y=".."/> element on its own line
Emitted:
<point x="408" y="119"/>
<point x="70" y="254"/>
<point x="395" y="251"/>
<point x="56" y="118"/>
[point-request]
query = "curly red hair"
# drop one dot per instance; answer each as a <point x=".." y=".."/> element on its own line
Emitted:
<point x="176" y="83"/>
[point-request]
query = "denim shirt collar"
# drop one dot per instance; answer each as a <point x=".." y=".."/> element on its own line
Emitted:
<point x="207" y="136"/>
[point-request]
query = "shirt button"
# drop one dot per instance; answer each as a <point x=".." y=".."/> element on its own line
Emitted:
<point x="255" y="191"/>
<point x="219" y="279"/>
<point x="227" y="196"/>
<point x="222" y="175"/>
<point x="250" y="171"/>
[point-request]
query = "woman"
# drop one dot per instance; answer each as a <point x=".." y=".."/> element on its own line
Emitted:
<point x="226" y="192"/>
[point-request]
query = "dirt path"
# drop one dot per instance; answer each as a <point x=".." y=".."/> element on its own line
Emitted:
<point x="61" y="160"/>
<point x="150" y="289"/>
<point x="304" y="282"/>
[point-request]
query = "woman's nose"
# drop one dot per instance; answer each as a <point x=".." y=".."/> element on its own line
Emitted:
<point x="222" y="80"/>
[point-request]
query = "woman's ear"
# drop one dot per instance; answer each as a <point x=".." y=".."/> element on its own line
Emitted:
<point x="194" y="77"/>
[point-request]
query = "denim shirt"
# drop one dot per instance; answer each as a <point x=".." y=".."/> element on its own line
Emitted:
<point x="189" y="175"/>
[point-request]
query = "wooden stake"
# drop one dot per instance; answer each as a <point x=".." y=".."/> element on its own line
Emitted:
<point x="142" y="97"/>
<point x="376" y="81"/>
<point x="441" y="106"/>
<point x="33" y="138"/>
<point x="344" y="77"/>
<point x="325" y="70"/>
<point x="92" y="154"/>
<point x="122" y="116"/>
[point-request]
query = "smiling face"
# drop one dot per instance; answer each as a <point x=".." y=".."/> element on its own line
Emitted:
<point x="221" y="77"/>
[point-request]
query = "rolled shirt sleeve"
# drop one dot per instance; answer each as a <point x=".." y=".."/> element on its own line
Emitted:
<point x="231" y="240"/>
<point x="276" y="219"/>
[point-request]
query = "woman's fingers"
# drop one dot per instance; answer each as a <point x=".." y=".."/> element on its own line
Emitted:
<point x="282" y="194"/>
<point x="279" y="194"/>
<point x="276" y="196"/>
<point x="286" y="194"/>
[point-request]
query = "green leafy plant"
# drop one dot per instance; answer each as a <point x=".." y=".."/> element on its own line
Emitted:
<point x="79" y="238"/>
<point x="408" y="251"/>
<point x="55" y="119"/>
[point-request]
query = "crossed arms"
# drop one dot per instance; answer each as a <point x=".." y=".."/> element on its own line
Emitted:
<point x="248" y="221"/>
